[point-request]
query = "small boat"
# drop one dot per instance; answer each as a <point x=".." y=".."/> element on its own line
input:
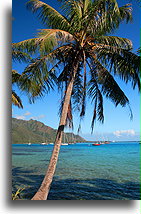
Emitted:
<point x="29" y="144"/>
<point x="96" y="144"/>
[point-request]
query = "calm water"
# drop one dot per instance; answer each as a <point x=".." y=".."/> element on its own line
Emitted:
<point x="84" y="172"/>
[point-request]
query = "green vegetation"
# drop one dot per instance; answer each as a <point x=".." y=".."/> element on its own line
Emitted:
<point x="16" y="77"/>
<point x="33" y="131"/>
<point x="21" y="81"/>
<point x="17" y="194"/>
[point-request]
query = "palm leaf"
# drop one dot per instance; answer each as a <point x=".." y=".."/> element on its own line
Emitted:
<point x="105" y="16"/>
<point x="38" y="72"/>
<point x="16" y="100"/>
<point x="39" y="76"/>
<point x="29" y="45"/>
<point x="114" y="41"/>
<point x="109" y="86"/>
<point x="96" y="96"/>
<point x="86" y="5"/>
<point x="75" y="12"/>
<point x="49" y="38"/>
<point x="33" y="89"/>
<point x="46" y="41"/>
<point x="48" y="15"/>
<point x="111" y="89"/>
<point x="124" y="63"/>
<point x="15" y="76"/>
<point x="20" y="56"/>
<point x="77" y="95"/>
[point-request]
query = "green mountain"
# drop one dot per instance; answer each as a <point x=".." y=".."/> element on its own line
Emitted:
<point x="33" y="131"/>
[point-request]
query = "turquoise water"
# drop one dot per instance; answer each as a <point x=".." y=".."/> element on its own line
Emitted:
<point x="84" y="172"/>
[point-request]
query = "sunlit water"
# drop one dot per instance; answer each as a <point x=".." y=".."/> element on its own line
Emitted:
<point x="84" y="172"/>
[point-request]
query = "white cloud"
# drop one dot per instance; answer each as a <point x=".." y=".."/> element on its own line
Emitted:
<point x="21" y="117"/>
<point x="129" y="132"/>
<point x="27" y="113"/>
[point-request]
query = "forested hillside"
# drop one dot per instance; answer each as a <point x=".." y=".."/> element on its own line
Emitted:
<point x="25" y="131"/>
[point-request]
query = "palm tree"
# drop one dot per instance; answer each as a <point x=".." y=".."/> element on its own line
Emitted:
<point x="78" y="52"/>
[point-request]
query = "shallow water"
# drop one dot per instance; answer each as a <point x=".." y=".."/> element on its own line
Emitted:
<point x="84" y="172"/>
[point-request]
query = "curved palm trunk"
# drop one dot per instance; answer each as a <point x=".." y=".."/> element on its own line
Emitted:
<point x="43" y="191"/>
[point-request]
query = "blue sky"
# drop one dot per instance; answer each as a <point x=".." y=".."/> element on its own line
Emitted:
<point x="117" y="125"/>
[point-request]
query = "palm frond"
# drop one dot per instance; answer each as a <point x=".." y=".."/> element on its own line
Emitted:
<point x="20" y="56"/>
<point x="33" y="89"/>
<point x="42" y="70"/>
<point x="46" y="41"/>
<point x="126" y="12"/>
<point x="74" y="11"/>
<point x="16" y="100"/>
<point x="39" y="76"/>
<point x="77" y="94"/>
<point x="50" y="38"/>
<point x="29" y="45"/>
<point x="38" y="73"/>
<point x="124" y="63"/>
<point x="109" y="86"/>
<point x="129" y="68"/>
<point x="86" y="5"/>
<point x="96" y="96"/>
<point x="48" y="15"/>
<point x="105" y="16"/>
<point x="114" y="41"/>
<point x="15" y="76"/>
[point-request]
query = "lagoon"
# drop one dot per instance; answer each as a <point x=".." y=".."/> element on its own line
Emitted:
<point x="84" y="172"/>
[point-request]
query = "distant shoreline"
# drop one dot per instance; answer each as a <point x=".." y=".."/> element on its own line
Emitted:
<point x="80" y="142"/>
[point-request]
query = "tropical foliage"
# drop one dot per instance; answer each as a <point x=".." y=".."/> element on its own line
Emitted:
<point x="15" y="98"/>
<point x="16" y="195"/>
<point x="78" y="52"/>
<point x="24" y="82"/>
<point x="16" y="77"/>
<point x="84" y="32"/>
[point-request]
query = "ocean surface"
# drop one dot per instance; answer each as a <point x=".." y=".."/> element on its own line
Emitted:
<point x="84" y="172"/>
